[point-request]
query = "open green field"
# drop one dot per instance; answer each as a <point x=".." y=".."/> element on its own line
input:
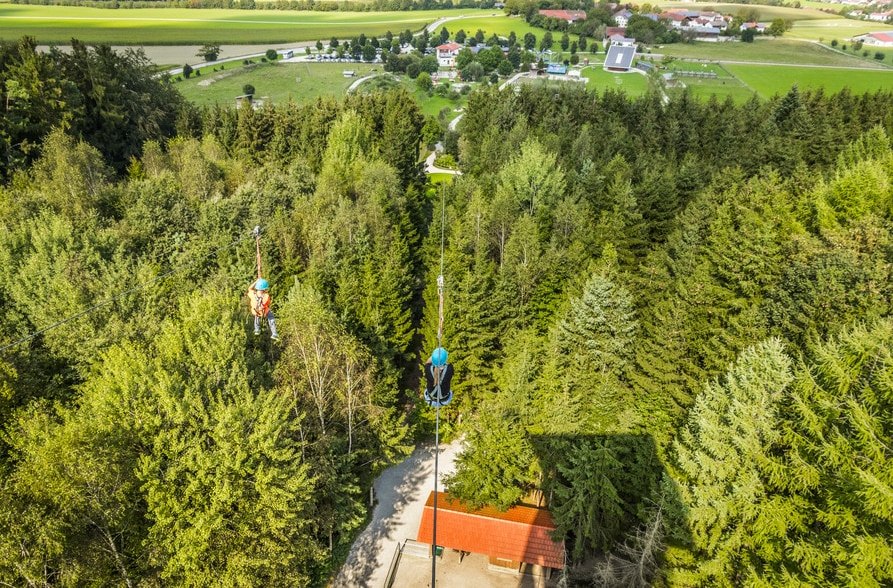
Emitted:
<point x="500" y="24"/>
<point x="765" y="51"/>
<point x="181" y="26"/>
<point x="770" y="80"/>
<point x="720" y="87"/>
<point x="600" y="80"/>
<point x="821" y="5"/>
<point x="276" y="82"/>
<point x="430" y="105"/>
<point x="834" y="28"/>
<point x="764" y="12"/>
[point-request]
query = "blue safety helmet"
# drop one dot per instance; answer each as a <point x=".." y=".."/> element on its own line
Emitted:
<point x="439" y="357"/>
<point x="261" y="284"/>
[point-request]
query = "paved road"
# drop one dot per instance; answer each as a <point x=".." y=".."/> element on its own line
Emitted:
<point x="401" y="491"/>
<point x="359" y="81"/>
<point x="430" y="168"/>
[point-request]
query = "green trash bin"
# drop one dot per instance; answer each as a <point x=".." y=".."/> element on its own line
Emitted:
<point x="438" y="551"/>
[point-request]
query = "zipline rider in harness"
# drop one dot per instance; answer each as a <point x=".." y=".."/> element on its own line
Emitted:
<point x="438" y="374"/>
<point x="259" y="300"/>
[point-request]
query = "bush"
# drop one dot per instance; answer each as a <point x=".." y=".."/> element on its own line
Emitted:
<point x="209" y="52"/>
<point x="446" y="161"/>
<point x="271" y="54"/>
<point x="248" y="89"/>
<point x="834" y="42"/>
<point x="879" y="55"/>
<point x="198" y="73"/>
<point x="865" y="53"/>
<point x="187" y="71"/>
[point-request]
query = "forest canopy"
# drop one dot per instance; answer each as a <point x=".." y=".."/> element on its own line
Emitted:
<point x="669" y="321"/>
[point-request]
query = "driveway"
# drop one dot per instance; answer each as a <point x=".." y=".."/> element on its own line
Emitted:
<point x="401" y="491"/>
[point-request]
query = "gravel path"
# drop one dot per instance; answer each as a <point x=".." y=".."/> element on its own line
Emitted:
<point x="401" y="491"/>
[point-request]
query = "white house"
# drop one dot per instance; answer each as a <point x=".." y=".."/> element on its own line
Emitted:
<point x="446" y="54"/>
<point x="621" y="17"/>
<point x="880" y="16"/>
<point x="882" y="39"/>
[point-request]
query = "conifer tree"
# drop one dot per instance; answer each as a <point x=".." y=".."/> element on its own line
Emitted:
<point x="724" y="459"/>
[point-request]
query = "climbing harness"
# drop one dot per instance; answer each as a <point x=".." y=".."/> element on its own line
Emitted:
<point x="260" y="285"/>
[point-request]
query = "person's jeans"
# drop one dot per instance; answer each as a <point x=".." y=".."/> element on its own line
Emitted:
<point x="271" y="320"/>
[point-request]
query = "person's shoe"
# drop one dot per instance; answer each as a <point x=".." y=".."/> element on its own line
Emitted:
<point x="257" y="332"/>
<point x="274" y="337"/>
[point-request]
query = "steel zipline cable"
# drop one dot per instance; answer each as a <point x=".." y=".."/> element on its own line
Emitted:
<point x="111" y="299"/>
<point x="440" y="288"/>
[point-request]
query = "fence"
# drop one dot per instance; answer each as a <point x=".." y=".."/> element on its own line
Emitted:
<point x="392" y="569"/>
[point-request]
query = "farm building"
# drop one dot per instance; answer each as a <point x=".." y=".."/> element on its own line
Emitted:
<point x="570" y="16"/>
<point x="620" y="58"/>
<point x="882" y="39"/>
<point x="514" y="539"/>
<point x="556" y="69"/>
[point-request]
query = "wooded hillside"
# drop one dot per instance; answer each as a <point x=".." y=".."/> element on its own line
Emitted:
<point x="671" y="321"/>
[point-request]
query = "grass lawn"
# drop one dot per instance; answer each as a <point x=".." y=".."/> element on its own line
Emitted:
<point x="277" y="82"/>
<point x="182" y="26"/>
<point x="841" y="29"/>
<point x="770" y="80"/>
<point x="600" y="80"/>
<point x="764" y="50"/>
<point x="429" y="105"/>
<point x="721" y="88"/>
<point x="440" y="178"/>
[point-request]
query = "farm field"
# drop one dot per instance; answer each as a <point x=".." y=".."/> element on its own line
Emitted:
<point x="834" y="28"/>
<point x="770" y="80"/>
<point x="181" y="26"/>
<point x="765" y="51"/>
<point x="278" y="82"/>
<point x="501" y="25"/>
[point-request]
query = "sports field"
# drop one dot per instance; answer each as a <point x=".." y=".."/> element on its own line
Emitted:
<point x="181" y="26"/>
<point x="770" y="80"/>
<point x="765" y="51"/>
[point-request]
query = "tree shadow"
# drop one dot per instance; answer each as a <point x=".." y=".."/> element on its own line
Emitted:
<point x="396" y="489"/>
<point x="622" y="482"/>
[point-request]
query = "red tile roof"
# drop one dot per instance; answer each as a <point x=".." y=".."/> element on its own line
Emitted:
<point x="882" y="36"/>
<point x="569" y="15"/>
<point x="522" y="533"/>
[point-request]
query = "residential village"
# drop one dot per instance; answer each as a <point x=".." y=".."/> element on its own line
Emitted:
<point x="619" y="40"/>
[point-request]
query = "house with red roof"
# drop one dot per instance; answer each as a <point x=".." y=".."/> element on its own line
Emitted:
<point x="446" y="54"/>
<point x="881" y="39"/>
<point x="521" y="535"/>
<point x="571" y="16"/>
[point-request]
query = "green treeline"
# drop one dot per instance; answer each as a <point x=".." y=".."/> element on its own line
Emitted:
<point x="315" y="5"/>
<point x="670" y="322"/>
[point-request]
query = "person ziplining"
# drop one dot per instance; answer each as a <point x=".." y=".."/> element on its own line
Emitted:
<point x="438" y="374"/>
<point x="259" y="299"/>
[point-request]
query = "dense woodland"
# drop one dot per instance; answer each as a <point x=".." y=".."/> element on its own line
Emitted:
<point x="669" y="322"/>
